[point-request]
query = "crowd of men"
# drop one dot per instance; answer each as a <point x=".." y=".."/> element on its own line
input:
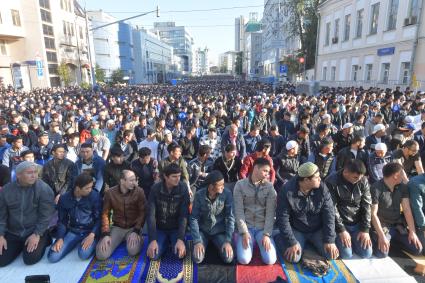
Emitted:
<point x="232" y="163"/>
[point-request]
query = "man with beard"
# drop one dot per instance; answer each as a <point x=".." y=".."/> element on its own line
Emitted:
<point x="408" y="156"/>
<point x="57" y="172"/>
<point x="354" y="151"/>
<point x="127" y="204"/>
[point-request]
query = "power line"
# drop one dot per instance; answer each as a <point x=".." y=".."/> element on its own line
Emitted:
<point x="190" y="11"/>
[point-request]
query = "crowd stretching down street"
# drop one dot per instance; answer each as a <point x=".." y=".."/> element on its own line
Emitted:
<point x="233" y="163"/>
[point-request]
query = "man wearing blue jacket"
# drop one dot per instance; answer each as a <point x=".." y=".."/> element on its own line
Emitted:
<point x="212" y="218"/>
<point x="90" y="163"/>
<point x="305" y="212"/>
<point x="79" y="220"/>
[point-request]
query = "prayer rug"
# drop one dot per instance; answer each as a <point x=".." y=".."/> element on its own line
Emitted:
<point x="213" y="270"/>
<point x="171" y="269"/>
<point x="119" y="268"/>
<point x="256" y="271"/>
<point x="338" y="272"/>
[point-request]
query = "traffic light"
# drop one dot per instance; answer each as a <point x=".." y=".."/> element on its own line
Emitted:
<point x="301" y="60"/>
<point x="157" y="11"/>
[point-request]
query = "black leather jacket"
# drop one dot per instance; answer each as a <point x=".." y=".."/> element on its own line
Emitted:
<point x="352" y="202"/>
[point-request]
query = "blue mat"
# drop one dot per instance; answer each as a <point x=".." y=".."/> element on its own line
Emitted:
<point x="171" y="269"/>
<point x="119" y="268"/>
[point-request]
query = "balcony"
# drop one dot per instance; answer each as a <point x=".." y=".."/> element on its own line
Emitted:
<point x="11" y="31"/>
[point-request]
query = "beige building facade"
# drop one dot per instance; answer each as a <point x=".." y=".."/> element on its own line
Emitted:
<point x="371" y="43"/>
<point x="47" y="31"/>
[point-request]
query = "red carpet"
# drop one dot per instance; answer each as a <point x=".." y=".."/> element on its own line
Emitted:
<point x="257" y="271"/>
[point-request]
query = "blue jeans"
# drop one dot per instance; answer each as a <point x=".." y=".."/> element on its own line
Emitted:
<point x="346" y="252"/>
<point x="164" y="238"/>
<point x="218" y="240"/>
<point x="392" y="233"/>
<point x="245" y="255"/>
<point x="315" y="238"/>
<point x="69" y="242"/>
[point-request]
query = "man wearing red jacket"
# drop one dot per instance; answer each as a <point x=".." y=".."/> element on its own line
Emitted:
<point x="262" y="151"/>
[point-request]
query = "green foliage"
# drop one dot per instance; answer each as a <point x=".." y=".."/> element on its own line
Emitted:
<point x="117" y="76"/>
<point x="293" y="65"/>
<point x="99" y="73"/>
<point x="85" y="85"/>
<point x="303" y="21"/>
<point x="64" y="73"/>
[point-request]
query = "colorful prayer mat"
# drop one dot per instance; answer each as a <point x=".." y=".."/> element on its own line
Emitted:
<point x="338" y="272"/>
<point x="171" y="269"/>
<point x="119" y="268"/>
<point x="256" y="271"/>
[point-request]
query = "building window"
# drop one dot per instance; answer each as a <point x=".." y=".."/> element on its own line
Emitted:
<point x="81" y="32"/>
<point x="46" y="16"/>
<point x="44" y="4"/>
<point x="414" y="10"/>
<point x="51" y="56"/>
<point x="47" y="30"/>
<point x="333" y="73"/>
<point x="336" y="32"/>
<point x="66" y="5"/>
<point x="359" y="26"/>
<point x="368" y="72"/>
<point x="49" y="43"/>
<point x="53" y="69"/>
<point x="392" y="15"/>
<point x="325" y="70"/>
<point x="16" y="19"/>
<point x="405" y="72"/>
<point x="55" y="82"/>
<point x="328" y="33"/>
<point x="347" y="27"/>
<point x="3" y="50"/>
<point x="374" y="17"/>
<point x="385" y="72"/>
<point x="354" y="71"/>
<point x="1" y="20"/>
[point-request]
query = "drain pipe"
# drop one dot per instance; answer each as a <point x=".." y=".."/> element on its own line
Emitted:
<point x="415" y="44"/>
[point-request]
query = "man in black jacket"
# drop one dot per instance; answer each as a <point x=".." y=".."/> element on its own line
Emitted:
<point x="305" y="212"/>
<point x="351" y="196"/>
<point x="354" y="151"/>
<point x="188" y="144"/>
<point x="168" y="209"/>
<point x="114" y="168"/>
<point x="146" y="170"/>
<point x="57" y="172"/>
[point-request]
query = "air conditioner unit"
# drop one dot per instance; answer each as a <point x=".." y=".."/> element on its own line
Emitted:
<point x="406" y="21"/>
<point x="413" y="20"/>
<point x="335" y="40"/>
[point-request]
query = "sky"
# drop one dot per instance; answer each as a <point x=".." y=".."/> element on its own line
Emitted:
<point x="214" y="29"/>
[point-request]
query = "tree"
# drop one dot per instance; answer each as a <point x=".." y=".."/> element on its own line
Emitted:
<point x="99" y="73"/>
<point x="303" y="21"/>
<point x="117" y="76"/>
<point x="64" y="73"/>
<point x="239" y="62"/>
<point x="293" y="65"/>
